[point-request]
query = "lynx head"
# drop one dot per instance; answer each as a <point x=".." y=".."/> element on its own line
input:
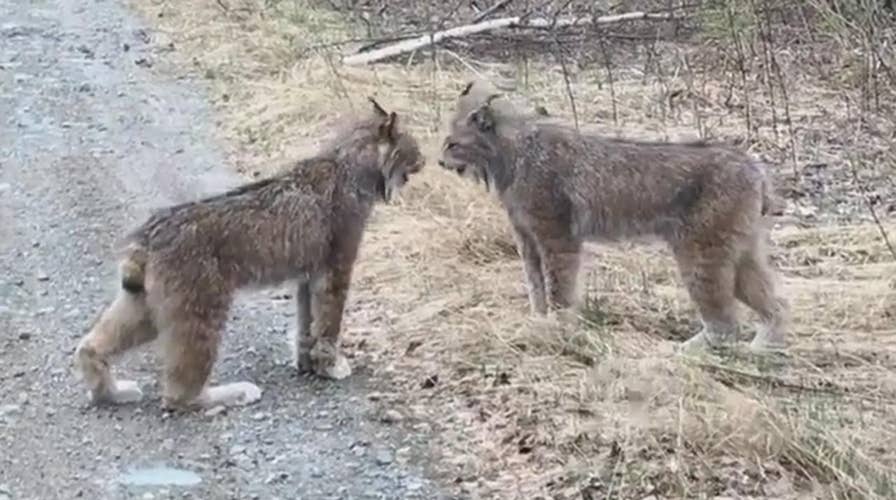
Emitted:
<point x="398" y="153"/>
<point x="472" y="143"/>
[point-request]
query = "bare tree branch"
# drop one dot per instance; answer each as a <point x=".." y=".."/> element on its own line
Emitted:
<point x="506" y="22"/>
<point x="491" y="10"/>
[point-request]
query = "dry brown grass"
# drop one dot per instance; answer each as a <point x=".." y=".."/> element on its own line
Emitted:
<point x="591" y="406"/>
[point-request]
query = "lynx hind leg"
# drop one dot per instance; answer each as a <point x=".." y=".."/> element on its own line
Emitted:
<point x="124" y="324"/>
<point x="709" y="280"/>
<point x="755" y="286"/>
<point x="190" y="348"/>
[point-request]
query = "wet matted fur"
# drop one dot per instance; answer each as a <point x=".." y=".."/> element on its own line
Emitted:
<point x="181" y="268"/>
<point x="562" y="187"/>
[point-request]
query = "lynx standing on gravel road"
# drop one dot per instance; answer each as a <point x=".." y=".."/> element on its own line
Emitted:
<point x="561" y="188"/>
<point x="181" y="268"/>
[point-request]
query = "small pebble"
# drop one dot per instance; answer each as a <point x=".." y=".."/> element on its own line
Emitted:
<point x="9" y="410"/>
<point x="392" y="416"/>
<point x="383" y="457"/>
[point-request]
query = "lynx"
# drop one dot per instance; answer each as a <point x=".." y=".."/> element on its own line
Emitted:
<point x="181" y="268"/>
<point x="561" y="188"/>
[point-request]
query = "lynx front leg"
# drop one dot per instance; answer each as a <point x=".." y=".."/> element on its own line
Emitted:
<point x="328" y="295"/>
<point x="304" y="341"/>
<point x="532" y="266"/>
<point x="560" y="258"/>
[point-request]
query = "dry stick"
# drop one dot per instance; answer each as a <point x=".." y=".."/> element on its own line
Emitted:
<point x="870" y="204"/>
<point x="608" y="65"/>
<point x="766" y="51"/>
<point x="569" y="93"/>
<point x="562" y="59"/>
<point x="779" y="74"/>
<point x="472" y="29"/>
<point x="742" y="66"/>
<point x="491" y="10"/>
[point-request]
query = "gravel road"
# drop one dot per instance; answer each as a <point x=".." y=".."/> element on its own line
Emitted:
<point x="90" y="141"/>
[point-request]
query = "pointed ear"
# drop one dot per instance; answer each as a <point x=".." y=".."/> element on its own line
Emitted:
<point x="466" y="89"/>
<point x="377" y="108"/>
<point x="387" y="128"/>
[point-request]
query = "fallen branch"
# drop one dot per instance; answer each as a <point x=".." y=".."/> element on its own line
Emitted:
<point x="491" y="10"/>
<point x="506" y="22"/>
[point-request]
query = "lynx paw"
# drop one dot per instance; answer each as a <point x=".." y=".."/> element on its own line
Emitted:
<point x="337" y="368"/>
<point x="243" y="393"/>
<point x="234" y="394"/>
<point x="763" y="344"/>
<point x="304" y="363"/>
<point x="124" y="392"/>
<point x="695" y="345"/>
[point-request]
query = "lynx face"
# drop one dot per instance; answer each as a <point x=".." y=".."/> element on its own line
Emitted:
<point x="471" y="144"/>
<point x="401" y="159"/>
<point x="399" y="154"/>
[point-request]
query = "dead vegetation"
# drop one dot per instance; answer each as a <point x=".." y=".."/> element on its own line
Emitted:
<point x="596" y="405"/>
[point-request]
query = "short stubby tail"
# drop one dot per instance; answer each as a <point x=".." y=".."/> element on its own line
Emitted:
<point x="132" y="268"/>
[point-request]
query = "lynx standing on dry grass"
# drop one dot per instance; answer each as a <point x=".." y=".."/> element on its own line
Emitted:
<point x="560" y="188"/>
<point x="181" y="267"/>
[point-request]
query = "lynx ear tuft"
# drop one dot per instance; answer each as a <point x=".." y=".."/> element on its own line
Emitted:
<point x="377" y="108"/>
<point x="387" y="129"/>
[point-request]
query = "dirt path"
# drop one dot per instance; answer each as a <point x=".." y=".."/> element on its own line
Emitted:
<point x="89" y="142"/>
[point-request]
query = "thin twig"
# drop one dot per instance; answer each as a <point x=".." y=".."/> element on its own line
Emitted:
<point x="491" y="10"/>
<point x="870" y="203"/>
<point x="782" y="83"/>
<point x="569" y="93"/>
<point x="742" y="67"/>
<point x="608" y="64"/>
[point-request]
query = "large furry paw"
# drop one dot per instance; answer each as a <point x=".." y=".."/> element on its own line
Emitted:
<point x="694" y="345"/>
<point x="234" y="394"/>
<point x="707" y="341"/>
<point x="329" y="362"/>
<point x="338" y="369"/>
<point x="123" y="392"/>
<point x="304" y="363"/>
<point x="765" y="345"/>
